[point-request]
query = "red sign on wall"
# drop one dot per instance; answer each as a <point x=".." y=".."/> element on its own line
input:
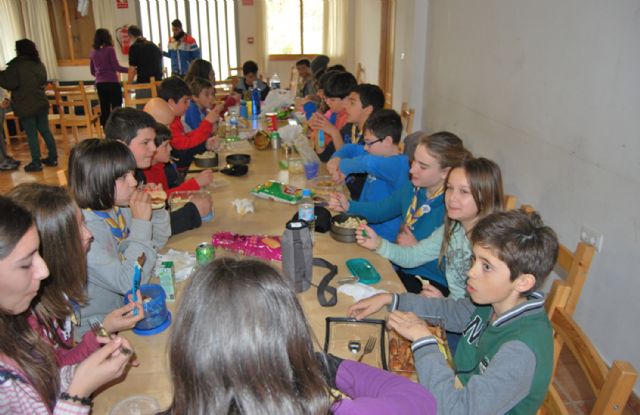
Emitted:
<point x="122" y="4"/>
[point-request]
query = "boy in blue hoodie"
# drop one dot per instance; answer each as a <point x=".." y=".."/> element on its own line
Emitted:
<point x="386" y="168"/>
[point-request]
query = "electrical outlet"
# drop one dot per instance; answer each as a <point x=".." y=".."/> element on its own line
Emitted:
<point x="591" y="236"/>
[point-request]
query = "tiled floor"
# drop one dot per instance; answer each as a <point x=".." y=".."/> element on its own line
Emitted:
<point x="570" y="382"/>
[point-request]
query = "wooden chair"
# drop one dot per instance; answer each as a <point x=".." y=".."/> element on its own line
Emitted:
<point x="575" y="267"/>
<point x="510" y="202"/>
<point x="360" y="72"/>
<point x="11" y="116"/>
<point x="235" y="71"/>
<point x="611" y="386"/>
<point x="69" y="99"/>
<point x="62" y="178"/>
<point x="129" y="91"/>
<point x="294" y="78"/>
<point x="407" y="114"/>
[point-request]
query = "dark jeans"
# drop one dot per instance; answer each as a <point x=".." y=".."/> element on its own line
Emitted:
<point x="110" y="95"/>
<point x="413" y="285"/>
<point x="185" y="157"/>
<point x="33" y="124"/>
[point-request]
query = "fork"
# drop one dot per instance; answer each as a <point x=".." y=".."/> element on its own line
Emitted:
<point x="368" y="347"/>
<point x="98" y="329"/>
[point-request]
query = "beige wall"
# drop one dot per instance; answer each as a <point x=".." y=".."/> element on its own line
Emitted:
<point x="549" y="90"/>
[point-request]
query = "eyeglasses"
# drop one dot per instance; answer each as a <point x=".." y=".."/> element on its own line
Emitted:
<point x="370" y="143"/>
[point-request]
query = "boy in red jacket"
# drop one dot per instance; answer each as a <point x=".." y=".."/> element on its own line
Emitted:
<point x="163" y="171"/>
<point x="177" y="94"/>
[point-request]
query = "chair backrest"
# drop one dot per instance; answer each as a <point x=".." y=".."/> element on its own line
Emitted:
<point x="62" y="178"/>
<point x="574" y="265"/>
<point x="131" y="99"/>
<point x="360" y="72"/>
<point x="510" y="202"/>
<point x="69" y="98"/>
<point x="294" y="78"/>
<point x="611" y="386"/>
<point x="407" y="114"/>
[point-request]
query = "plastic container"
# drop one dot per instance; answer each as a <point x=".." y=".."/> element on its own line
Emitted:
<point x="136" y="405"/>
<point x="275" y="81"/>
<point x="156" y="316"/>
<point x="363" y="269"/>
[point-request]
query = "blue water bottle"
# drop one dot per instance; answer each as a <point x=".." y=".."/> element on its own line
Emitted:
<point x="243" y="109"/>
<point x="255" y="99"/>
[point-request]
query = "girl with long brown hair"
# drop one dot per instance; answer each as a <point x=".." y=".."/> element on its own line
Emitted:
<point x="420" y="204"/>
<point x="241" y="345"/>
<point x="64" y="242"/>
<point x="473" y="191"/>
<point x="30" y="382"/>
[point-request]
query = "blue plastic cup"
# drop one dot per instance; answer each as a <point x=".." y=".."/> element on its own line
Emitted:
<point x="155" y="309"/>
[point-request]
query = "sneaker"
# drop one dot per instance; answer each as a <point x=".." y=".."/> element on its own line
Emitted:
<point x="33" y="167"/>
<point x="12" y="161"/>
<point x="49" y="162"/>
<point x="7" y="165"/>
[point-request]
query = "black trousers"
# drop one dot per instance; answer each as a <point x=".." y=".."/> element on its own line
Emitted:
<point x="413" y="285"/>
<point x="110" y="96"/>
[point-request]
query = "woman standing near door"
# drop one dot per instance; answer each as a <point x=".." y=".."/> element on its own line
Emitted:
<point x="105" y="67"/>
<point x="26" y="78"/>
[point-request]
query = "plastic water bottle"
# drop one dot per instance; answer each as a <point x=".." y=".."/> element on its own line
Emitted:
<point x="244" y="113"/>
<point x="306" y="212"/>
<point x="255" y="99"/>
<point x="233" y="125"/>
<point x="275" y="81"/>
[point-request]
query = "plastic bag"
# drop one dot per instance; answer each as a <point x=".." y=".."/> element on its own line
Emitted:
<point x="277" y="100"/>
<point x="278" y="192"/>
<point x="260" y="246"/>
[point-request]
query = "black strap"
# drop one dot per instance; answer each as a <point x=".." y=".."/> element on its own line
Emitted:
<point x="324" y="287"/>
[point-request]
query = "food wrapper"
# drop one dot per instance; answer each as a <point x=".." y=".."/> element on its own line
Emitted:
<point x="243" y="206"/>
<point x="260" y="246"/>
<point x="277" y="191"/>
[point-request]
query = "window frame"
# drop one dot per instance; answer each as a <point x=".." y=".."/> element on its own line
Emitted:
<point x="302" y="54"/>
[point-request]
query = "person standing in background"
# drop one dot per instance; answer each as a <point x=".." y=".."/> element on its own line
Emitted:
<point x="26" y="78"/>
<point x="145" y="61"/>
<point x="104" y="66"/>
<point x="6" y="162"/>
<point x="183" y="49"/>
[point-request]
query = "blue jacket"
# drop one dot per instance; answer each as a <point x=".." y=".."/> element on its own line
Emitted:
<point x="384" y="176"/>
<point x="192" y="117"/>
<point x="182" y="53"/>
<point x="396" y="205"/>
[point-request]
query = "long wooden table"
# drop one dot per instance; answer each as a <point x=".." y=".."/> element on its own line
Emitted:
<point x="152" y="376"/>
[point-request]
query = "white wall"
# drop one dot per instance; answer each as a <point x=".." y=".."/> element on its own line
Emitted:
<point x="409" y="59"/>
<point x="367" y="38"/>
<point x="550" y="91"/>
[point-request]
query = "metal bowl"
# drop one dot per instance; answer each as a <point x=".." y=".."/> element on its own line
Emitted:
<point x="238" y="159"/>
<point x="206" y="162"/>
<point x="343" y="234"/>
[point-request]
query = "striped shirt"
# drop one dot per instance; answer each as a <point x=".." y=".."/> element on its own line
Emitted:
<point x="17" y="396"/>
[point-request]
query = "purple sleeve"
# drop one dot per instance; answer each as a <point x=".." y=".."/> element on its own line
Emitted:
<point x="114" y="62"/>
<point x="374" y="391"/>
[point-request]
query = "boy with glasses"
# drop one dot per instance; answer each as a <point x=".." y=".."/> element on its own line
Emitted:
<point x="380" y="159"/>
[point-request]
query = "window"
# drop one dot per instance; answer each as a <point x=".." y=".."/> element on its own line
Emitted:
<point x="70" y="31"/>
<point x="295" y="27"/>
<point x="212" y="23"/>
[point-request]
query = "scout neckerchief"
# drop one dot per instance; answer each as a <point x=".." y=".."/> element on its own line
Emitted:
<point x="118" y="227"/>
<point x="414" y="213"/>
<point x="356" y="134"/>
